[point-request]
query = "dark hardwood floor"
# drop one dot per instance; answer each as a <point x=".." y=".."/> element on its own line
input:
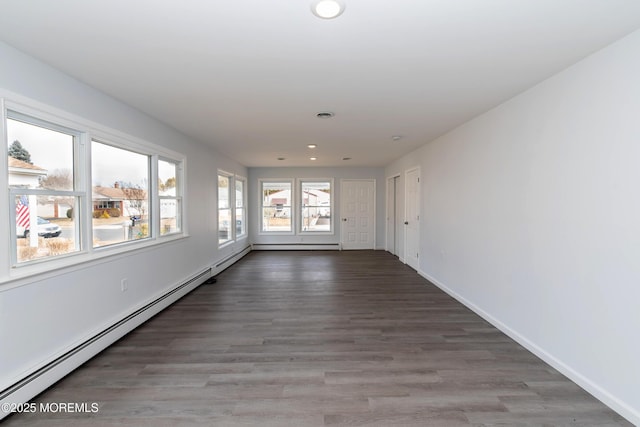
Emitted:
<point x="319" y="339"/>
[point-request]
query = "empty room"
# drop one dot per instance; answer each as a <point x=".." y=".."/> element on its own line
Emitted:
<point x="314" y="213"/>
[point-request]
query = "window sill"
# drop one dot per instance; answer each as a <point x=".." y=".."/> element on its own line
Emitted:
<point x="24" y="274"/>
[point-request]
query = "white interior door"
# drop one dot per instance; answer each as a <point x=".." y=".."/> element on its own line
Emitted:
<point x="358" y="214"/>
<point x="412" y="218"/>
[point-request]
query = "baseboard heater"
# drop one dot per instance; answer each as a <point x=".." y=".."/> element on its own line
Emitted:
<point x="296" y="246"/>
<point x="45" y="374"/>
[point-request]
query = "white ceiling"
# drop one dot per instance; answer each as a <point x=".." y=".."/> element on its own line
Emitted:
<point x="249" y="76"/>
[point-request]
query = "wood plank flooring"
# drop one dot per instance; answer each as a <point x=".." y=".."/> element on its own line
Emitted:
<point x="319" y="339"/>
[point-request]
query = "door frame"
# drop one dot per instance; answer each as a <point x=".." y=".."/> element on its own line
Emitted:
<point x="392" y="209"/>
<point x="407" y="200"/>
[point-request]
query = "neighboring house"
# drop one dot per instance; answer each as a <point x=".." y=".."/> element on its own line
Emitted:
<point x="281" y="201"/>
<point x="24" y="175"/>
<point x="316" y="204"/>
<point x="317" y="198"/>
<point x="311" y="198"/>
<point x="129" y="202"/>
<point x="53" y="208"/>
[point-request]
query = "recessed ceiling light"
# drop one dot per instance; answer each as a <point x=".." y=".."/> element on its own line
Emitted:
<point x="396" y="137"/>
<point x="313" y="158"/>
<point x="281" y="158"/>
<point x="325" y="115"/>
<point x="327" y="9"/>
<point x="312" y="146"/>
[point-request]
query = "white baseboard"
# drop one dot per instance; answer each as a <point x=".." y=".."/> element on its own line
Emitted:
<point x="625" y="410"/>
<point x="296" y="247"/>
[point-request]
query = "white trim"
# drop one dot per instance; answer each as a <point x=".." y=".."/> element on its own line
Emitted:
<point x="386" y="218"/>
<point x="179" y="197"/>
<point x="6" y="247"/>
<point x="245" y="212"/>
<point x="293" y="202"/>
<point x="299" y="231"/>
<point x="231" y="198"/>
<point x="296" y="247"/>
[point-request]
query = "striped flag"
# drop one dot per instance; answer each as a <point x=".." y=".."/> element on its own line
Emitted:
<point x="22" y="212"/>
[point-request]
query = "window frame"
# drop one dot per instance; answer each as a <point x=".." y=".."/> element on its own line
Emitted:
<point x="245" y="228"/>
<point x="299" y="189"/>
<point x="77" y="193"/>
<point x="16" y="107"/>
<point x="292" y="206"/>
<point x="153" y="231"/>
<point x="231" y="238"/>
<point x="179" y="196"/>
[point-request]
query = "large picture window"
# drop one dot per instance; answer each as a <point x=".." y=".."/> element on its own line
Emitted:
<point x="316" y="200"/>
<point x="120" y="188"/>
<point x="276" y="206"/>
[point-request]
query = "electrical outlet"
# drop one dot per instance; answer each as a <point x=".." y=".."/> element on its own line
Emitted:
<point x="124" y="285"/>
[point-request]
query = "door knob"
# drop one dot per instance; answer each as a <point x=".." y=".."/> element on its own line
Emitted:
<point x="406" y="223"/>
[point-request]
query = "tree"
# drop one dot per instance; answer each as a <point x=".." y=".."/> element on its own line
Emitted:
<point x="59" y="179"/>
<point x="171" y="183"/>
<point x="17" y="151"/>
<point x="165" y="186"/>
<point x="136" y="197"/>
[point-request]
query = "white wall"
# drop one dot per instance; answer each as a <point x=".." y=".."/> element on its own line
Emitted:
<point x="338" y="174"/>
<point x="531" y="216"/>
<point x="43" y="316"/>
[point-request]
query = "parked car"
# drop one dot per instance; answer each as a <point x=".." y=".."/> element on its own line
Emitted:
<point x="45" y="229"/>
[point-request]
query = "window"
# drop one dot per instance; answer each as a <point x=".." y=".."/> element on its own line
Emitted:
<point x="231" y="208"/>
<point x="170" y="197"/>
<point x="42" y="187"/>
<point x="71" y="196"/>
<point x="225" y="232"/>
<point x="316" y="206"/>
<point x="241" y="213"/>
<point x="120" y="188"/>
<point x="276" y="206"/>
